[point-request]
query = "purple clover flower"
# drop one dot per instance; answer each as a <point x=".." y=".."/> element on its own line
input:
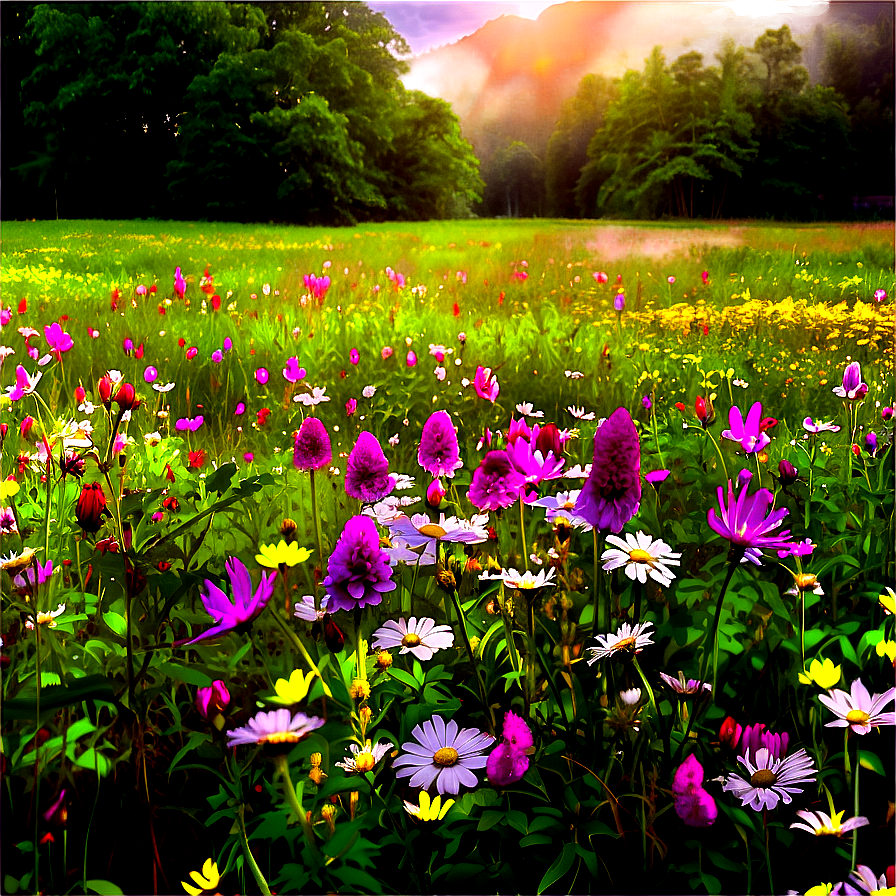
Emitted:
<point x="358" y="571"/>
<point x="311" y="449"/>
<point x="495" y="482"/>
<point x="367" y="471"/>
<point x="438" y="453"/>
<point x="611" y="494"/>
<point x="237" y="614"/>
<point x="443" y="755"/>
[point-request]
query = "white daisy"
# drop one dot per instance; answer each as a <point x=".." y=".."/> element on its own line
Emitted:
<point x="579" y="413"/>
<point x="526" y="409"/>
<point x="627" y="640"/>
<point x="771" y="779"/>
<point x="363" y="759"/>
<point x="422" y="638"/>
<point x="821" y="824"/>
<point x="524" y="581"/>
<point x="641" y="556"/>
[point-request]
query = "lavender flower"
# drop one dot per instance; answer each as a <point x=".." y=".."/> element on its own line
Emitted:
<point x="495" y="483"/>
<point x="367" y="471"/>
<point x="238" y="614"/>
<point x="771" y="780"/>
<point x="358" y="570"/>
<point x="853" y="388"/>
<point x="438" y="453"/>
<point x="312" y="449"/>
<point x="443" y="755"/>
<point x="611" y="494"/>
<point x="279" y="726"/>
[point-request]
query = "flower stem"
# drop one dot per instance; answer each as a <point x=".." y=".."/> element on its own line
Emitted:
<point x="296" y="806"/>
<point x="734" y="558"/>
<point x="525" y="557"/>
<point x="250" y="859"/>
<point x="719" y="452"/>
<point x="601" y="620"/>
<point x="305" y="655"/>
<point x="483" y="693"/>
<point x="315" y="512"/>
<point x="855" y="805"/>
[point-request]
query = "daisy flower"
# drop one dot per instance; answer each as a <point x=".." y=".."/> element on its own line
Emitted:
<point x="48" y="619"/>
<point x="821" y="824"/>
<point x="444" y="755"/>
<point x="276" y="727"/>
<point x="858" y="709"/>
<point x="627" y="640"/>
<point x="685" y="688"/>
<point x="771" y="780"/>
<point x="421" y="638"/>
<point x="419" y="530"/>
<point x="641" y="556"/>
<point x="524" y="581"/>
<point x="526" y="409"/>
<point x="429" y="809"/>
<point x="866" y="881"/>
<point x="363" y="759"/>
<point x="559" y="508"/>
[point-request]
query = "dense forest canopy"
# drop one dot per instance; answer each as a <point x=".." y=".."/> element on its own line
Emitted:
<point x="296" y="112"/>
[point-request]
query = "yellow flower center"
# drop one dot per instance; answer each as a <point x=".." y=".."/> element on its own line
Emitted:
<point x="410" y="640"/>
<point x="445" y="757"/>
<point x="279" y="737"/>
<point x="639" y="556"/>
<point x="806" y="581"/>
<point x="624" y="644"/>
<point x="763" y="778"/>
<point x="857" y="715"/>
<point x="431" y="530"/>
<point x="364" y="762"/>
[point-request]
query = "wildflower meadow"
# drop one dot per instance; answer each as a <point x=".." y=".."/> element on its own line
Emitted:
<point x="459" y="557"/>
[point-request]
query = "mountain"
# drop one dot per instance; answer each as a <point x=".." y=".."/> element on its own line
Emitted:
<point x="508" y="80"/>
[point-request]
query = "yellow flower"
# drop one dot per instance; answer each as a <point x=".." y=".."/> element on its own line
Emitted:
<point x="888" y="602"/>
<point x="282" y="554"/>
<point x="208" y="881"/>
<point x="825" y="674"/>
<point x="8" y="488"/>
<point x="295" y="690"/>
<point x="428" y="810"/>
<point x="887" y="649"/>
<point x="819" y="890"/>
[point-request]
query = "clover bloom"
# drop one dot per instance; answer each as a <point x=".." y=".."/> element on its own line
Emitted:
<point x="311" y="449"/>
<point x="821" y="824"/>
<point x="429" y="809"/>
<point x="611" y="495"/>
<point x="752" y="439"/>
<point x="825" y="674"/>
<point x="421" y="638"/>
<point x="358" y="569"/>
<point x="771" y="780"/>
<point x="237" y="614"/>
<point x="853" y="388"/>
<point x="438" y="453"/>
<point x="495" y="482"/>
<point x="367" y="471"/>
<point x="279" y="726"/>
<point x="485" y="384"/>
<point x="641" y="555"/>
<point x="443" y="755"/>
<point x="363" y="759"/>
<point x="208" y="881"/>
<point x="693" y="804"/>
<point x="746" y="521"/>
<point x="628" y="640"/>
<point x="858" y="709"/>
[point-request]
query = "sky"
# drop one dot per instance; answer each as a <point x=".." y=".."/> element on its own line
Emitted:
<point x="425" y="25"/>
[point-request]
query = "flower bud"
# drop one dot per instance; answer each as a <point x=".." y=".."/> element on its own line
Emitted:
<point x="805" y="581"/>
<point x="126" y="397"/>
<point x="435" y="493"/>
<point x="360" y="689"/>
<point x="787" y="473"/>
<point x="212" y="699"/>
<point x="104" y="390"/>
<point x="91" y="507"/>
<point x="548" y="439"/>
<point x="384" y="659"/>
<point x="729" y="733"/>
<point x="288" y="529"/>
<point x="80" y="394"/>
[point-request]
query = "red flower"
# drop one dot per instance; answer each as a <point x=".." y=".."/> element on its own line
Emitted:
<point x="164" y="566"/>
<point x="23" y="306"/>
<point x="680" y="405"/>
<point x="104" y="390"/>
<point x="456" y="310"/>
<point x="216" y="302"/>
<point x="705" y="413"/>
<point x="80" y="394"/>
<point x="153" y="288"/>
<point x="501" y="299"/>
<point x="169" y="473"/>
<point x="181" y="342"/>
<point x="171" y="503"/>
<point x="192" y="351"/>
<point x="138" y="352"/>
<point x="197" y="459"/>
<point x="91" y="507"/>
<point x="730" y="732"/>
<point x="705" y="330"/>
<point x="767" y="423"/>
<point x="263" y="415"/>
<point x="162" y="309"/>
<point x="126" y="397"/>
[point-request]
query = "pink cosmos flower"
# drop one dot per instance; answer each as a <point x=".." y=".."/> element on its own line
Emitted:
<point x="817" y="427"/>
<point x="752" y="439"/>
<point x="58" y="340"/>
<point x="25" y="384"/>
<point x="485" y="384"/>
<point x="292" y="372"/>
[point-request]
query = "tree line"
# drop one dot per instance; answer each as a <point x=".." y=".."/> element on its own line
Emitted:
<point x="748" y="137"/>
<point x="231" y="111"/>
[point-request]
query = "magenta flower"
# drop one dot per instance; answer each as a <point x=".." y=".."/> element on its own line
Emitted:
<point x="350" y="407"/>
<point x="292" y="372"/>
<point x="853" y="388"/>
<point x="747" y="520"/>
<point x="358" y="571"/>
<point x="58" y="340"/>
<point x="818" y="426"/>
<point x="532" y="463"/>
<point x="600" y="276"/>
<point x="611" y="494"/>
<point x="311" y="449"/>
<point x="438" y="453"/>
<point x="755" y="737"/>
<point x="858" y="710"/>
<point x="237" y="614"/>
<point x="180" y="285"/>
<point x="619" y="302"/>
<point x="495" y="482"/>
<point x="367" y="471"/>
<point x="261" y="376"/>
<point x="189" y="424"/>
<point x="212" y="700"/>
<point x="705" y="277"/>
<point x="353" y="356"/>
<point x="693" y="804"/>
<point x="25" y="384"/>
<point x="879" y="295"/>
<point x="443" y="755"/>
<point x="485" y="384"/>
<point x="217" y="356"/>
<point x="411" y="359"/>
<point x="752" y="439"/>
<point x="509" y="761"/>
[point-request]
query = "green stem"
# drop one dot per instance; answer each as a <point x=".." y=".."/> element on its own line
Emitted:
<point x="483" y="693"/>
<point x="507" y="618"/>
<point x="525" y="558"/>
<point x="855" y="806"/>
<point x="737" y="552"/>
<point x="305" y="655"/>
<point x="247" y="853"/>
<point x="656" y="434"/>
<point x="768" y="858"/>
<point x="719" y="452"/>
<point x="37" y="756"/>
<point x="315" y="512"/>
<point x="601" y="620"/>
<point x="296" y="806"/>
<point x="530" y="649"/>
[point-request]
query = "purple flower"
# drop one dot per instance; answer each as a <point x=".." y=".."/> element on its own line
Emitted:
<point x="746" y="521"/>
<point x="748" y="433"/>
<point x="358" y="569"/>
<point x="180" y="285"/>
<point x="217" y="356"/>
<point x="228" y="343"/>
<point x="857" y="709"/>
<point x="816" y="428"/>
<point x="350" y="407"/>
<point x="58" y="340"/>
<point x="863" y="881"/>
<point x="367" y="471"/>
<point x="411" y="359"/>
<point x="189" y="423"/>
<point x="755" y="737"/>
<point x="443" y="755"/>
<point x="128" y="345"/>
<point x="29" y="579"/>
<point x="787" y="473"/>
<point x="879" y="295"/>
<point x="312" y="449"/>
<point x="532" y="463"/>
<point x="438" y="453"/>
<point x="509" y="761"/>
<point x="353" y="356"/>
<point x="240" y="409"/>
<point x="495" y="482"/>
<point x="611" y="494"/>
<point x="693" y="804"/>
<point x="212" y="700"/>
<point x="853" y="388"/>
<point x="771" y="780"/>
<point x="279" y="726"/>
<point x="685" y="688"/>
<point x="646" y="402"/>
<point x="654" y="477"/>
<point x="871" y="443"/>
<point x="236" y="614"/>
<point x="292" y="372"/>
<point x="886" y="414"/>
<point x="262" y="376"/>
<point x="619" y="302"/>
<point x="150" y="375"/>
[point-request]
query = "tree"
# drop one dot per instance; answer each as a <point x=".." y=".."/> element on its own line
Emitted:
<point x="515" y="181"/>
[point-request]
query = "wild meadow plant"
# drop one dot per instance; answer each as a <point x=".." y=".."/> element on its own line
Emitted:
<point x="411" y="582"/>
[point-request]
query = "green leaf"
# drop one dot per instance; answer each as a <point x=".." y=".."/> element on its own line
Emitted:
<point x="872" y="762"/>
<point x="10" y="884"/>
<point x="219" y="481"/>
<point x="116" y="622"/>
<point x="196" y="738"/>
<point x="98" y="763"/>
<point x="558" y="869"/>
<point x="536" y="840"/>
<point x="489" y="819"/>
<point x="185" y="674"/>
<point x="104" y="888"/>
<point x="405" y="678"/>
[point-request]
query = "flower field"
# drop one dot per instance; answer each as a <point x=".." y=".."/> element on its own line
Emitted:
<point x="465" y="557"/>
